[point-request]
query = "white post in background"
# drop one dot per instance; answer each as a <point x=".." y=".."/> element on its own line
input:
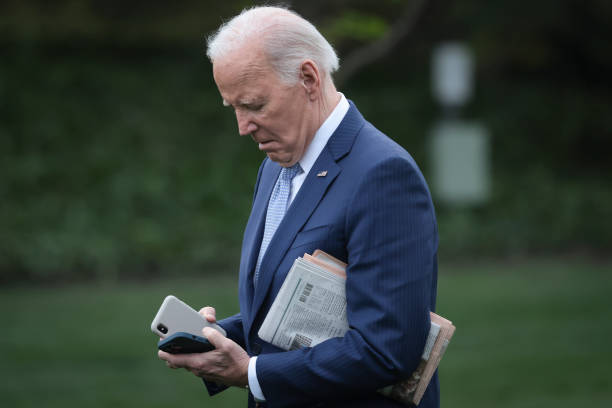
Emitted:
<point x="460" y="149"/>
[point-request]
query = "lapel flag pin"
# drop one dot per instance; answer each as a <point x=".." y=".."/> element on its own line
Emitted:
<point x="322" y="173"/>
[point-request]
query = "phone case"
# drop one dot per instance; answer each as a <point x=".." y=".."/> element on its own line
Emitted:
<point x="176" y="316"/>
<point x="184" y="343"/>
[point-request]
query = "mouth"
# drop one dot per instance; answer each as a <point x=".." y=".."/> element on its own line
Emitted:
<point x="264" y="144"/>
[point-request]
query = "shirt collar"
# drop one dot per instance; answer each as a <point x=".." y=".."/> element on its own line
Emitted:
<point x="322" y="136"/>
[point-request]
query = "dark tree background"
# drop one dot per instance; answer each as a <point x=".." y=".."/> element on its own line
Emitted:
<point x="119" y="161"/>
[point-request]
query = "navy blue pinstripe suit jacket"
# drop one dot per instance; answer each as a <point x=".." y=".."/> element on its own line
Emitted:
<point x="374" y="211"/>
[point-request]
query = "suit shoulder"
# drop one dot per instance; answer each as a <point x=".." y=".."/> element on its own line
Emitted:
<point x="372" y="148"/>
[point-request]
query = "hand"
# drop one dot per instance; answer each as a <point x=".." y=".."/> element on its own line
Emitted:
<point x="209" y="313"/>
<point x="227" y="364"/>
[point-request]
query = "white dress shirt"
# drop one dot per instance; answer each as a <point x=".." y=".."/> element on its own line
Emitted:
<point x="306" y="162"/>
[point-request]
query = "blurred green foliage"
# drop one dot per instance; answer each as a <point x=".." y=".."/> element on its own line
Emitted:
<point x="528" y="335"/>
<point x="117" y="168"/>
<point x="118" y="159"/>
<point x="134" y="22"/>
<point x="357" y="26"/>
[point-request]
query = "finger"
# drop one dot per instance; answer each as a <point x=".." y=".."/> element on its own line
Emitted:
<point x="214" y="337"/>
<point x="197" y="372"/>
<point x="163" y="355"/>
<point x="166" y="358"/>
<point x="172" y="360"/>
<point x="209" y="313"/>
<point x="184" y="360"/>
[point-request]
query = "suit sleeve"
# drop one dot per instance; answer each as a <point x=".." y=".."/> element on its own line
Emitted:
<point x="233" y="327"/>
<point x="391" y="244"/>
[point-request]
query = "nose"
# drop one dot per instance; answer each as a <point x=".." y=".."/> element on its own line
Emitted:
<point x="246" y="126"/>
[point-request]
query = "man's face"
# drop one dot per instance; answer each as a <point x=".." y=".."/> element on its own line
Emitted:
<point x="278" y="117"/>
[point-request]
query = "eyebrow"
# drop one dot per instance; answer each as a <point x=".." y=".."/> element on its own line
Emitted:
<point x="245" y="102"/>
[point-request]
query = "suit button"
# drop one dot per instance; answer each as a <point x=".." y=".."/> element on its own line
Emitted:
<point x="256" y="348"/>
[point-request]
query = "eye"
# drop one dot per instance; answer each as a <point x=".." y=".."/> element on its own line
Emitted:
<point x="255" y="107"/>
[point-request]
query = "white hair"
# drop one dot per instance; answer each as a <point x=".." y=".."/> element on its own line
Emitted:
<point x="287" y="38"/>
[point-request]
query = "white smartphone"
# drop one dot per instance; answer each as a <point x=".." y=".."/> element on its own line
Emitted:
<point x="176" y="316"/>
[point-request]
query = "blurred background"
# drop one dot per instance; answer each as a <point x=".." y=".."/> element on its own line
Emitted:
<point x="123" y="179"/>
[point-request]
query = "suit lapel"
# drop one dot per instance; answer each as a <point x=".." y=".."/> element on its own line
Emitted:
<point x="311" y="193"/>
<point x="253" y="233"/>
<point x="307" y="199"/>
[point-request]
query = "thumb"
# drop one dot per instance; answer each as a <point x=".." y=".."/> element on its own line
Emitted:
<point x="209" y="313"/>
<point x="214" y="337"/>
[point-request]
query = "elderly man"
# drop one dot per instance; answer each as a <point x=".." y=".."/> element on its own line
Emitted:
<point x="330" y="181"/>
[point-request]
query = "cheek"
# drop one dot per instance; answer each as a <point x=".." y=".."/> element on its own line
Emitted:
<point x="286" y="126"/>
<point x="295" y="131"/>
<point x="292" y="141"/>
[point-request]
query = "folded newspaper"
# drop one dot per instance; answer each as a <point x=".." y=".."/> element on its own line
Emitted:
<point x="311" y="308"/>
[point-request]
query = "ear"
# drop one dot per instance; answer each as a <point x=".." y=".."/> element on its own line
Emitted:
<point x="310" y="78"/>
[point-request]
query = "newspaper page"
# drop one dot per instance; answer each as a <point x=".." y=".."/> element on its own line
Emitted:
<point x="411" y="390"/>
<point x="439" y="347"/>
<point x="310" y="308"/>
<point x="406" y="389"/>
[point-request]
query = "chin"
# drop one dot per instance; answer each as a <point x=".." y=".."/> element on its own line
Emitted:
<point x="282" y="161"/>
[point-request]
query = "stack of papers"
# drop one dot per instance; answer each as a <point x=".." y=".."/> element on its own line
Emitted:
<point x="311" y="308"/>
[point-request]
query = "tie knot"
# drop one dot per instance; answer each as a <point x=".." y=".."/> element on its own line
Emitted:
<point x="288" y="173"/>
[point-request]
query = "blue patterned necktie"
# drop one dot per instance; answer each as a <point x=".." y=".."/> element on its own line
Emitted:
<point x="277" y="206"/>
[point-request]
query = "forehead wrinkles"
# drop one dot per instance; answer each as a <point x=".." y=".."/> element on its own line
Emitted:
<point x="250" y="73"/>
<point x="247" y="83"/>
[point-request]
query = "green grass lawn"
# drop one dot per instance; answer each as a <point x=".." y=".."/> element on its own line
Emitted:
<point x="534" y="334"/>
